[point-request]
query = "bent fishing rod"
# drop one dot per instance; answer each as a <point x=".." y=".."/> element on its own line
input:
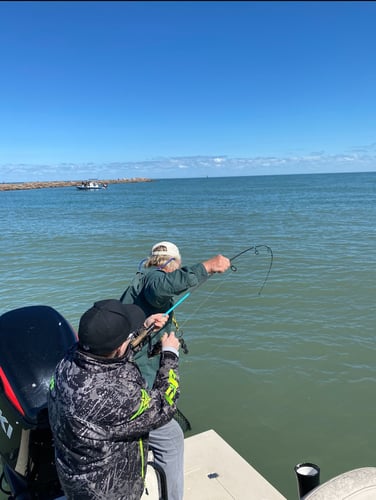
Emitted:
<point x="142" y="335"/>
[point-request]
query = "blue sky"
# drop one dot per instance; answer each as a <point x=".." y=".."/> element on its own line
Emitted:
<point x="186" y="89"/>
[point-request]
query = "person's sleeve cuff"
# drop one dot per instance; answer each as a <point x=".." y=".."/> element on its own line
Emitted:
<point x="171" y="349"/>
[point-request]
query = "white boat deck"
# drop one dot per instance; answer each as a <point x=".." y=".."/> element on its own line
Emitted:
<point x="215" y="471"/>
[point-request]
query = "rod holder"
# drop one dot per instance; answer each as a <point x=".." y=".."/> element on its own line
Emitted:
<point x="308" y="477"/>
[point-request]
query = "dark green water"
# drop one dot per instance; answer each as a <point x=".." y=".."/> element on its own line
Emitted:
<point x="286" y="376"/>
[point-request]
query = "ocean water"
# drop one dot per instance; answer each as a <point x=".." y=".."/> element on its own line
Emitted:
<point x="284" y="376"/>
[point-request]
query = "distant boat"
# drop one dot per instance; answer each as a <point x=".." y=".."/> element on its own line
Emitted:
<point x="91" y="186"/>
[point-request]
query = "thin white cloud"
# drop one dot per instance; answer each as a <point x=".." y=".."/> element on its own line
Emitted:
<point x="195" y="166"/>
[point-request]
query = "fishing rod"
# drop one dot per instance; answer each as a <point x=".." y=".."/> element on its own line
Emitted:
<point x="234" y="269"/>
<point x="256" y="249"/>
<point x="142" y="334"/>
<point x="139" y="336"/>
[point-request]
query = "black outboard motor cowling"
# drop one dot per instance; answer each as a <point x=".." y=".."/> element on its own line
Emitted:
<point x="32" y="341"/>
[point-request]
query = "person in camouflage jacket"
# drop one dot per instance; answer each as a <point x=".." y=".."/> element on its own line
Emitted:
<point x="99" y="408"/>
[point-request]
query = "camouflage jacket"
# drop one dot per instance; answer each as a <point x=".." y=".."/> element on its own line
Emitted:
<point x="100" y="415"/>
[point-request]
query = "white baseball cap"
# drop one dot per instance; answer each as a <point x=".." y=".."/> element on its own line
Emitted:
<point x="166" y="248"/>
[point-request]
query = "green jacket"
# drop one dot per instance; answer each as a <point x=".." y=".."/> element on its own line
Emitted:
<point x="155" y="291"/>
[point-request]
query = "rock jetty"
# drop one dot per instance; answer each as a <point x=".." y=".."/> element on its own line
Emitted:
<point x="55" y="184"/>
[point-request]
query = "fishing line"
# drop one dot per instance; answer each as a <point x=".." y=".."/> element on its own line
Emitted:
<point x="256" y="249"/>
<point x="139" y="338"/>
<point x="233" y="268"/>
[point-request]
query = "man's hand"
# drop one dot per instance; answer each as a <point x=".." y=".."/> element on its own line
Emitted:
<point x="159" y="320"/>
<point x="169" y="340"/>
<point x="217" y="264"/>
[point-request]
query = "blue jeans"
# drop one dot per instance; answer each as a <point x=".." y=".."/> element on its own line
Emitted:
<point x="167" y="444"/>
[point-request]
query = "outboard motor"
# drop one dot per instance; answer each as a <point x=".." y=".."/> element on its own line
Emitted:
<point x="32" y="341"/>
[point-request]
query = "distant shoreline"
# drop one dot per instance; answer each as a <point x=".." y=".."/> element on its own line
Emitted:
<point x="16" y="186"/>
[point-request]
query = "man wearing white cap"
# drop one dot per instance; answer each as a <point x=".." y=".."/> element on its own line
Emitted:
<point x="153" y="290"/>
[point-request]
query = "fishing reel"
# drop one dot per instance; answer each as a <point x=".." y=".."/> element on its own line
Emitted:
<point x="156" y="349"/>
<point x="143" y="336"/>
<point x="140" y="337"/>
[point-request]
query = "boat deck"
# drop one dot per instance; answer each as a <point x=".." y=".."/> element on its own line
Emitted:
<point x="215" y="471"/>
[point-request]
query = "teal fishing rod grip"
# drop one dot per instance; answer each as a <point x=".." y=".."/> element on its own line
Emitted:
<point x="158" y="345"/>
<point x="182" y="299"/>
<point x="147" y="331"/>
